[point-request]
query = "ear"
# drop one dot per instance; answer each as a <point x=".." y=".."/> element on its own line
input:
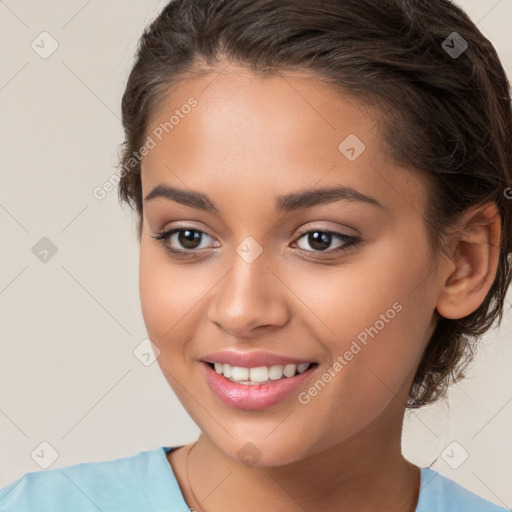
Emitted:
<point x="473" y="262"/>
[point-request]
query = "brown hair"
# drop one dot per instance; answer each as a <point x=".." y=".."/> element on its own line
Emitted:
<point x="448" y="116"/>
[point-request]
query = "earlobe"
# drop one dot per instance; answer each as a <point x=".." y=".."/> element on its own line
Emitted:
<point x="475" y="256"/>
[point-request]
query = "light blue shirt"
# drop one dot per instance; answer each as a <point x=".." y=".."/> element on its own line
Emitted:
<point x="146" y="482"/>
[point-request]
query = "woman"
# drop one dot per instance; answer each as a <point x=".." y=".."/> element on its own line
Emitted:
<point x="324" y="234"/>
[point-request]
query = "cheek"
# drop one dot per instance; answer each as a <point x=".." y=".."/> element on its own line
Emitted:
<point x="159" y="289"/>
<point x="149" y="289"/>
<point x="164" y="311"/>
<point x="364" y="377"/>
<point x="172" y="297"/>
<point x="375" y="317"/>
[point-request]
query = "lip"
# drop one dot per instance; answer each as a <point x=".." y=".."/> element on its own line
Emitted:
<point x="255" y="397"/>
<point x="252" y="359"/>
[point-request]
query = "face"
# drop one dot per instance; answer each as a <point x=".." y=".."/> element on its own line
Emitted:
<point x="265" y="264"/>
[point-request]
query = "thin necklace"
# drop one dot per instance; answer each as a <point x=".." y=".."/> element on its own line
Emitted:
<point x="192" y="509"/>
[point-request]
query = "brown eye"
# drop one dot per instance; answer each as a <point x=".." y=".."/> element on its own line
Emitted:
<point x="321" y="240"/>
<point x="188" y="238"/>
<point x="183" y="241"/>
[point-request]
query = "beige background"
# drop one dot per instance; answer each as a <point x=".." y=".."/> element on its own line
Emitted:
<point x="68" y="374"/>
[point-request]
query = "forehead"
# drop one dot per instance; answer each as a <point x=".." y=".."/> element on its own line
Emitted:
<point x="274" y="133"/>
<point x="290" y="106"/>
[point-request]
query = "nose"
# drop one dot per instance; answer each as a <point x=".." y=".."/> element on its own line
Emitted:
<point x="250" y="297"/>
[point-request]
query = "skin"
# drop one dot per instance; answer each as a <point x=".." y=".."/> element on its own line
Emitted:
<point x="247" y="141"/>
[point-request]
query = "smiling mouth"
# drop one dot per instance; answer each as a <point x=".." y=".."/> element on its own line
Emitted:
<point x="261" y="375"/>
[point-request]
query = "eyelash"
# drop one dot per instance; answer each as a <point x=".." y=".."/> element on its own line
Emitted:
<point x="350" y="241"/>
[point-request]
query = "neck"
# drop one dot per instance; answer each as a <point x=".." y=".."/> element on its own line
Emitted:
<point x="366" y="472"/>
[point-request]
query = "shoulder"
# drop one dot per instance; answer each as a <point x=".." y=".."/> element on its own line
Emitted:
<point x="442" y="494"/>
<point x="112" y="485"/>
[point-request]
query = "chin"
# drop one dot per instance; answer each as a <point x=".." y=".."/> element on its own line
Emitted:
<point x="261" y="453"/>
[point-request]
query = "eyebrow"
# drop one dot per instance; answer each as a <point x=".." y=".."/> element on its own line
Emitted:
<point x="285" y="203"/>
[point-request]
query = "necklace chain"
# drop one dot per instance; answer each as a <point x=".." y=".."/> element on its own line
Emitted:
<point x="192" y="509"/>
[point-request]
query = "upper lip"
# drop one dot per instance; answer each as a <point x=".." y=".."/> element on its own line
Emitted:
<point x="251" y="359"/>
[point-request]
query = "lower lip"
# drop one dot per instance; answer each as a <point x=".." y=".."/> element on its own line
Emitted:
<point x="254" y="397"/>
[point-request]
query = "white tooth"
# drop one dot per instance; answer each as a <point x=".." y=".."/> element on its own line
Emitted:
<point x="289" y="370"/>
<point x="226" y="370"/>
<point x="239" y="373"/>
<point x="259" y="374"/>
<point x="275" y="372"/>
<point x="303" y="367"/>
<point x="218" y="367"/>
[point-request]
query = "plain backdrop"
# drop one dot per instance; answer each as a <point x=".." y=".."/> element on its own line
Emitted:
<point x="70" y="310"/>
